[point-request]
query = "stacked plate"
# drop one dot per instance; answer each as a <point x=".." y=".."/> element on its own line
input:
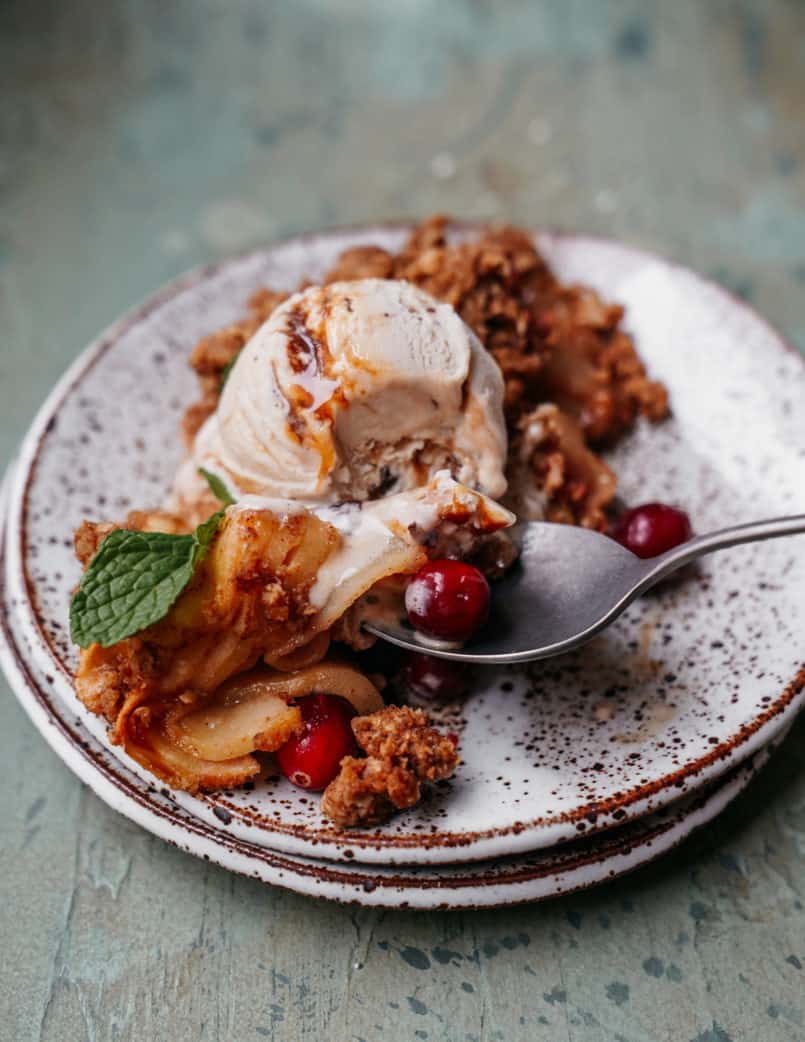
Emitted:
<point x="574" y="770"/>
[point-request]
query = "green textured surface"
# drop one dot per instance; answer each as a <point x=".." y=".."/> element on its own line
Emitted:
<point x="140" y="138"/>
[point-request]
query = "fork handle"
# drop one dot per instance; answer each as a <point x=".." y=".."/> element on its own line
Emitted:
<point x="752" y="532"/>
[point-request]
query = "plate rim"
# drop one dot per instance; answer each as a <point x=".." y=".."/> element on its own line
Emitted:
<point x="444" y="846"/>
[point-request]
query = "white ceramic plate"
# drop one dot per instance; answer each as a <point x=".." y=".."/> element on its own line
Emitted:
<point x="689" y="683"/>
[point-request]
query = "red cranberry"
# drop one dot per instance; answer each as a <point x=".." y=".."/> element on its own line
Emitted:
<point x="652" y="529"/>
<point x="311" y="759"/>
<point x="437" y="678"/>
<point x="448" y="600"/>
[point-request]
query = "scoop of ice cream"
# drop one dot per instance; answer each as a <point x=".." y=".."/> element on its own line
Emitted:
<point x="353" y="391"/>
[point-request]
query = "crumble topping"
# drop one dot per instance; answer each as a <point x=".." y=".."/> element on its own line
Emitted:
<point x="88" y="537"/>
<point x="403" y="750"/>
<point x="553" y="473"/>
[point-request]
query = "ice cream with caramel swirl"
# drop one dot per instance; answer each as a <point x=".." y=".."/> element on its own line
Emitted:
<point x="355" y="391"/>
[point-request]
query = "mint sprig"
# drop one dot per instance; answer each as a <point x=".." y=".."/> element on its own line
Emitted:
<point x="133" y="581"/>
<point x="217" y="487"/>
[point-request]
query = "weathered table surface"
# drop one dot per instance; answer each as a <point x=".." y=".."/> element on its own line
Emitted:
<point x="141" y="137"/>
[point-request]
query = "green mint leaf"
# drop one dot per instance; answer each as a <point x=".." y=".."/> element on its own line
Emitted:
<point x="133" y="581"/>
<point x="204" y="535"/>
<point x="227" y="370"/>
<point x="217" y="487"/>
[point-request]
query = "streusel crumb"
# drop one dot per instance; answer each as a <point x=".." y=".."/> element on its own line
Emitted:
<point x="406" y="737"/>
<point x="403" y="750"/>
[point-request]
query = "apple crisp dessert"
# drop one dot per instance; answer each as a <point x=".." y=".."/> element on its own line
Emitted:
<point x="373" y="435"/>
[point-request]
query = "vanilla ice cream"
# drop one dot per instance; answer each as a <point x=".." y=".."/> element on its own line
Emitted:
<point x="355" y="391"/>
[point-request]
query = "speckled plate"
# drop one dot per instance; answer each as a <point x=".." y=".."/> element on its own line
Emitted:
<point x="689" y="683"/>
